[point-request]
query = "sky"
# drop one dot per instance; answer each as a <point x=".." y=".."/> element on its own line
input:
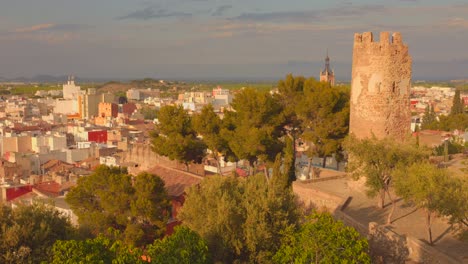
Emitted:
<point x="220" y="39"/>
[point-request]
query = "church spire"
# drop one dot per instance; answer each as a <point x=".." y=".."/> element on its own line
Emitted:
<point x="327" y="65"/>
<point x="327" y="74"/>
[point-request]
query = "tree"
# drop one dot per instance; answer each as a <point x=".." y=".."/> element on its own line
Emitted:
<point x="324" y="113"/>
<point x="209" y="125"/>
<point x="243" y="219"/>
<point x="27" y="233"/>
<point x="289" y="153"/>
<point x="149" y="113"/>
<point x="149" y="207"/>
<point x="457" y="104"/>
<point x="97" y="250"/>
<point x="323" y="240"/>
<point x="107" y="199"/>
<point x="454" y="203"/>
<point x="429" y="120"/>
<point x="175" y="138"/>
<point x="424" y="185"/>
<point x="291" y="91"/>
<point x="377" y="160"/>
<point x="254" y="129"/>
<point x="184" y="246"/>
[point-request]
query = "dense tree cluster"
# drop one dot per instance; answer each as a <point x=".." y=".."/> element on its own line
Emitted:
<point x="27" y="233"/>
<point x="137" y="207"/>
<point x="457" y="119"/>
<point x="259" y="125"/>
<point x="253" y="220"/>
<point x="227" y="219"/>
<point x="321" y="239"/>
<point x="175" y="137"/>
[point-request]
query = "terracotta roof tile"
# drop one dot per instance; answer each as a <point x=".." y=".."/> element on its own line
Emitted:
<point x="176" y="181"/>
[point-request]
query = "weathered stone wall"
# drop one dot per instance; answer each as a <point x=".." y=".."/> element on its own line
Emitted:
<point x="311" y="197"/>
<point x="144" y="157"/>
<point x="386" y="246"/>
<point x="380" y="87"/>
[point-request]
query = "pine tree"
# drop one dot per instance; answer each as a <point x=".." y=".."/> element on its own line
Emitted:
<point x="429" y="118"/>
<point x="457" y="106"/>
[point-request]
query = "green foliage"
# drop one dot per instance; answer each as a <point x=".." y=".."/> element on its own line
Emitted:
<point x="30" y="89"/>
<point x="183" y="247"/>
<point x="107" y="198"/>
<point x="454" y="202"/>
<point x="27" y="233"/>
<point x="457" y="104"/>
<point x="453" y="147"/>
<point x="175" y="138"/>
<point x="316" y="112"/>
<point x="254" y="128"/>
<point x="243" y="219"/>
<point x="377" y="160"/>
<point x="149" y="113"/>
<point x="429" y="120"/>
<point x="323" y="240"/>
<point x="324" y="112"/>
<point x="452" y="122"/>
<point x="97" y="250"/>
<point x="209" y="125"/>
<point x="425" y="186"/>
<point x="457" y="119"/>
<point x="290" y="159"/>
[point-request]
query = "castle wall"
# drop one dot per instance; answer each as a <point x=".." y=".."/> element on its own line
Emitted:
<point x="145" y="159"/>
<point x="380" y="87"/>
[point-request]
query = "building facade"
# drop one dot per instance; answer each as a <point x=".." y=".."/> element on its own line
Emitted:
<point x="380" y="87"/>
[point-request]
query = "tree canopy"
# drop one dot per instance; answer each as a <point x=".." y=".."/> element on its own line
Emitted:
<point x="377" y="160"/>
<point x="254" y="128"/>
<point x="108" y="198"/>
<point x="27" y="233"/>
<point x="175" y="137"/>
<point x="96" y="250"/>
<point x="184" y="246"/>
<point x="209" y="125"/>
<point x="425" y="186"/>
<point x="321" y="239"/>
<point x="243" y="219"/>
<point x="324" y="113"/>
<point x="457" y="104"/>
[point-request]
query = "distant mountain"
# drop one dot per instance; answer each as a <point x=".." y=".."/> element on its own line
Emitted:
<point x="44" y="78"/>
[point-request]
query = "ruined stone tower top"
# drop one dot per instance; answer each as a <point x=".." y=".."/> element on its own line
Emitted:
<point x="380" y="87"/>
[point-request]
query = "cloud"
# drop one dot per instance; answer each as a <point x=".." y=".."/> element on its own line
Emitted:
<point x="231" y="29"/>
<point x="346" y="10"/>
<point x="51" y="27"/>
<point x="33" y="28"/>
<point x="48" y="33"/>
<point x="276" y="16"/>
<point x="152" y="13"/>
<point x="457" y="22"/>
<point x="220" y="10"/>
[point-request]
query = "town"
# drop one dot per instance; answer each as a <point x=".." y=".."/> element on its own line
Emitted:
<point x="202" y="132"/>
<point x="52" y="138"/>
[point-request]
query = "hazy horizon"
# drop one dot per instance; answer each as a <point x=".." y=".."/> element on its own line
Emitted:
<point x="221" y="40"/>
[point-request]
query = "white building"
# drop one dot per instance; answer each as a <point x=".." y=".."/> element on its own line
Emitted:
<point x="70" y="90"/>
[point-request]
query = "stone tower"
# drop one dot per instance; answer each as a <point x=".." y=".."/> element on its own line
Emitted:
<point x="380" y="87"/>
<point x="327" y="75"/>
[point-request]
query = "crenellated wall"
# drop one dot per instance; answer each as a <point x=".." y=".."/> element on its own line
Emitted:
<point x="380" y="86"/>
